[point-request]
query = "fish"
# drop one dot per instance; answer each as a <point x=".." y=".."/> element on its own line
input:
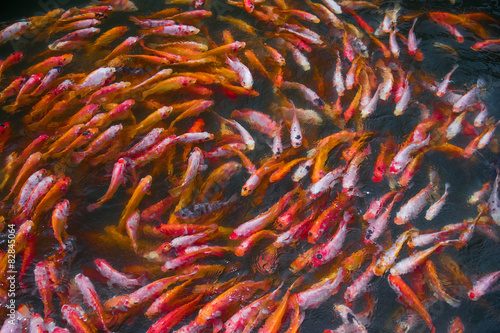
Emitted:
<point x="333" y="247"/>
<point x="435" y="208"/>
<point x="443" y="86"/>
<point x="58" y="221"/>
<point x="117" y="278"/>
<point x="320" y="292"/>
<point x="141" y="189"/>
<point x="241" y="291"/>
<point x="483" y="285"/>
<point x="408" y="297"/>
<point x="402" y="157"/>
<point x="14" y="30"/>
<point x="90" y="296"/>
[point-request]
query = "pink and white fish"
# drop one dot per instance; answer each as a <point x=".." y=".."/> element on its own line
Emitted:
<point x="372" y="104"/>
<point x="435" y="208"/>
<point x="393" y="43"/>
<point x="333" y="6"/>
<point x="98" y="78"/>
<point x="412" y="40"/>
<point x="481" y="116"/>
<point x="414" y="206"/>
<point x="483" y="285"/>
<point x="455" y="126"/>
<point x="486" y="138"/>
<point x="334" y="246"/>
<point x="378" y="226"/>
<point x="295" y="131"/>
<point x="178" y="30"/>
<point x="13" y="31"/>
<point x="494" y="201"/>
<point x="90" y="297"/>
<point x="467" y="99"/>
<point x="244" y="74"/>
<point x="150" y="139"/>
<point x="402" y="157"/>
<point x="359" y="286"/>
<point x="320" y="292"/>
<point x="405" y="98"/>
<point x="115" y="277"/>
<point x="338" y="81"/>
<point x="443" y="86"/>
<point x="28" y="187"/>
<point x="325" y="183"/>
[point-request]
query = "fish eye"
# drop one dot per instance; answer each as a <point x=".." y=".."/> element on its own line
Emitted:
<point x="350" y="317"/>
<point x="298" y="137"/>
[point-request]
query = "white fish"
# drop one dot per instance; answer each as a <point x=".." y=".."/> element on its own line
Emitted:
<point x="402" y="158"/>
<point x="494" y="201"/>
<point x="436" y="207"/>
<point x="370" y="107"/>
<point x="405" y="99"/>
<point x="338" y="81"/>
<point x="481" y="116"/>
<point x="97" y="78"/>
<point x="468" y="97"/>
<point x="443" y="86"/>
<point x="455" y="127"/>
<point x="295" y="131"/>
<point x="414" y="206"/>
<point x="246" y="79"/>
<point x="333" y="6"/>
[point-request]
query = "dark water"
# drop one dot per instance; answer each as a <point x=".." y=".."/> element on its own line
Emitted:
<point x="478" y="258"/>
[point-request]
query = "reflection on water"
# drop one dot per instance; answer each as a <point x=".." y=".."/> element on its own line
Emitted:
<point x="441" y="51"/>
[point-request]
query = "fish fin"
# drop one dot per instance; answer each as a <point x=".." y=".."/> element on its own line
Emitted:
<point x="176" y="191"/>
<point x="143" y="279"/>
<point x="10" y="108"/>
<point x="92" y="207"/>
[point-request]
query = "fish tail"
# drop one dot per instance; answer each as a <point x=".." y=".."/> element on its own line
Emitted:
<point x="92" y="207"/>
<point x="452" y="301"/>
<point x="143" y="279"/>
<point x="10" y="108"/>
<point x="176" y="191"/>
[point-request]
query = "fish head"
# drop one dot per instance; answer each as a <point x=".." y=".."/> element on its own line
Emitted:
<point x="396" y="167"/>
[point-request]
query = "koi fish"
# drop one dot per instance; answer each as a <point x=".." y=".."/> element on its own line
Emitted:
<point x="320" y="292"/>
<point x="117" y="278"/>
<point x="402" y="157"/>
<point x="436" y="207"/>
<point x="409" y="264"/>
<point x="13" y="31"/>
<point x="90" y="296"/>
<point x="202" y="209"/>
<point x="408" y="297"/>
<point x="443" y="86"/>
<point x="240" y="291"/>
<point x="333" y="247"/>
